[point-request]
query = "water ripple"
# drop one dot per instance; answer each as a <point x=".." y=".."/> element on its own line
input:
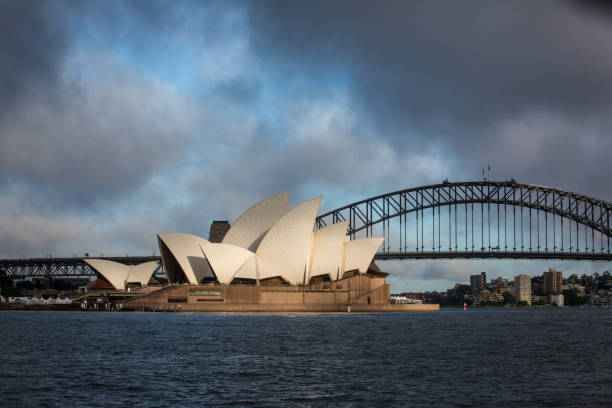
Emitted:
<point x="521" y="357"/>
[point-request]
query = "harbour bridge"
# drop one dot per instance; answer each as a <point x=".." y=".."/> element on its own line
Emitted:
<point x="471" y="220"/>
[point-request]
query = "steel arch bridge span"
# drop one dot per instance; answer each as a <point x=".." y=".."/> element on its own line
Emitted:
<point x="482" y="219"/>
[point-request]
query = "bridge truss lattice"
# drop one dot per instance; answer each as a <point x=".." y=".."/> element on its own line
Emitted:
<point x="63" y="267"/>
<point x="482" y="219"/>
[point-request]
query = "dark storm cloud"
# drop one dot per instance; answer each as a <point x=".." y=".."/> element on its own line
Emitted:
<point x="35" y="37"/>
<point x="79" y="126"/>
<point x="463" y="75"/>
<point x="32" y="46"/>
<point x="98" y="137"/>
<point x="595" y="6"/>
<point x="414" y="61"/>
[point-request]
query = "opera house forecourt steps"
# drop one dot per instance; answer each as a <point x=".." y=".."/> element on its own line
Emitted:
<point x="271" y="259"/>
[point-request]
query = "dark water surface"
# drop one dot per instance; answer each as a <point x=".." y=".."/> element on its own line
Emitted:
<point x="487" y="357"/>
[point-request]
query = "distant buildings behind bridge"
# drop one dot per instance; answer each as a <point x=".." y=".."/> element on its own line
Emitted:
<point x="548" y="289"/>
<point x="522" y="289"/>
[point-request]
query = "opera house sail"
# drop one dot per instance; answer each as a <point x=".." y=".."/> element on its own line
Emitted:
<point x="119" y="275"/>
<point x="268" y="241"/>
<point x="249" y="229"/>
<point x="183" y="259"/>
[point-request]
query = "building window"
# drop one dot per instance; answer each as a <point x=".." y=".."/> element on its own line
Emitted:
<point x="204" y="293"/>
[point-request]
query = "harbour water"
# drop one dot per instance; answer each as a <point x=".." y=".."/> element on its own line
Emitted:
<point x="481" y="357"/>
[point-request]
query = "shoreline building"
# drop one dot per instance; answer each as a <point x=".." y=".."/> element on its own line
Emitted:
<point x="522" y="288"/>
<point x="478" y="282"/>
<point x="272" y="258"/>
<point x="553" y="280"/>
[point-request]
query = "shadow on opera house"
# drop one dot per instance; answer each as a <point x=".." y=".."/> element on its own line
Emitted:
<point x="271" y="259"/>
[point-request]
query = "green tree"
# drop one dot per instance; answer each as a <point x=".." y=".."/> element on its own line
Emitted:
<point x="463" y="290"/>
<point x="9" y="291"/>
<point x="509" y="298"/>
<point x="571" y="298"/>
<point x="435" y="297"/>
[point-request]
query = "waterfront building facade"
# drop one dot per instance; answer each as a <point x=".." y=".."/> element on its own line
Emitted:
<point x="557" y="300"/>
<point x="499" y="283"/>
<point x="272" y="259"/>
<point x="478" y="282"/>
<point x="522" y="288"/>
<point x="553" y="280"/>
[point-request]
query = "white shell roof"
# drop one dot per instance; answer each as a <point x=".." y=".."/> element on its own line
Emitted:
<point x="119" y="274"/>
<point x="358" y="254"/>
<point x="285" y="243"/>
<point x="186" y="249"/>
<point x="249" y="229"/>
<point x="255" y="268"/>
<point x="142" y="273"/>
<point x="114" y="272"/>
<point x="285" y="248"/>
<point x="327" y="249"/>
<point x="248" y="270"/>
<point x="264" y="271"/>
<point x="225" y="259"/>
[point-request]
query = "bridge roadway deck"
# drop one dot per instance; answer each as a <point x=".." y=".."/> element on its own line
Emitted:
<point x="128" y="260"/>
<point x="76" y="267"/>
<point x="61" y="267"/>
<point x="461" y="254"/>
<point x="570" y="256"/>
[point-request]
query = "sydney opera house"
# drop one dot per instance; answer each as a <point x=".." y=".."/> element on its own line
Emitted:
<point x="115" y="275"/>
<point x="272" y="258"/>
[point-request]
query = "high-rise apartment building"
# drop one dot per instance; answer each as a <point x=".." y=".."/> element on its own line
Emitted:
<point x="522" y="288"/>
<point x="478" y="282"/>
<point x="553" y="279"/>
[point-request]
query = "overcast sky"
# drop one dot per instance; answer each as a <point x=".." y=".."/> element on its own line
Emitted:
<point x="121" y="120"/>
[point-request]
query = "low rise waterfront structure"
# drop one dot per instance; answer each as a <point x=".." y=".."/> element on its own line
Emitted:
<point x="556" y="300"/>
<point x="600" y="298"/>
<point x="486" y="297"/>
<point x="499" y="283"/>
<point x="403" y="300"/>
<point x="540" y="300"/>
<point x="358" y="293"/>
